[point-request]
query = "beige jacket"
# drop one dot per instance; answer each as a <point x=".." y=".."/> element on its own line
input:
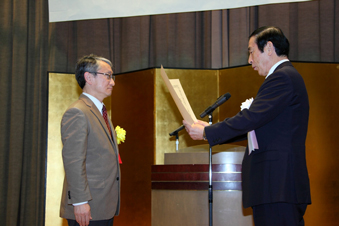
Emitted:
<point x="91" y="164"/>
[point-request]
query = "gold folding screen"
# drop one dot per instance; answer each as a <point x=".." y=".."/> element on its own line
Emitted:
<point x="142" y="105"/>
<point x="201" y="89"/>
<point x="62" y="91"/>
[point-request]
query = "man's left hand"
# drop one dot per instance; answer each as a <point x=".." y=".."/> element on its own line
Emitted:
<point x="82" y="214"/>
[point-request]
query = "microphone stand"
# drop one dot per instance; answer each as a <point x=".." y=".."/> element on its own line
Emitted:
<point x="176" y="133"/>
<point x="176" y="142"/>
<point x="210" y="185"/>
<point x="222" y="99"/>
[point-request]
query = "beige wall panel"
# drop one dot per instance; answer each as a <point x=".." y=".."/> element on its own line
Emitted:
<point x="63" y="90"/>
<point x="201" y="89"/>
<point x="190" y="208"/>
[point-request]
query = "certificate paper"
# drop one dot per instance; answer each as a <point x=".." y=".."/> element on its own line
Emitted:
<point x="179" y="97"/>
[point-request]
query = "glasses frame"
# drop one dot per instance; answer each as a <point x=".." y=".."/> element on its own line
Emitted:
<point x="108" y="76"/>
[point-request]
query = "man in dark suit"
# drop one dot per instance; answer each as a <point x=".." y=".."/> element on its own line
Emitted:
<point x="274" y="175"/>
<point x="91" y="191"/>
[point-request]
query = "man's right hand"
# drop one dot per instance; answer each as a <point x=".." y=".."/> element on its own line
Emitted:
<point x="196" y="130"/>
<point x="83" y="214"/>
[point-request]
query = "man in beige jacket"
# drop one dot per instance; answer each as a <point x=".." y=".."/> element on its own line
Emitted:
<point x="91" y="191"/>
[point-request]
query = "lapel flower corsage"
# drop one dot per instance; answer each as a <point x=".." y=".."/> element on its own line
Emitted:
<point x="251" y="137"/>
<point x="246" y="104"/>
<point x="121" y="134"/>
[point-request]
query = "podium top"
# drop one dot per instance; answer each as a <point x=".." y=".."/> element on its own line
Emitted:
<point x="199" y="154"/>
<point x="217" y="148"/>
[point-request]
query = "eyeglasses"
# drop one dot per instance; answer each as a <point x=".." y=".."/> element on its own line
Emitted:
<point x="108" y="76"/>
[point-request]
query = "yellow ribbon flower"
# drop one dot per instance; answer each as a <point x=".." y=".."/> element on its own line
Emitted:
<point x="121" y="134"/>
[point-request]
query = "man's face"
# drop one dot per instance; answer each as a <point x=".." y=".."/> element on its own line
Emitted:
<point x="259" y="60"/>
<point x="103" y="86"/>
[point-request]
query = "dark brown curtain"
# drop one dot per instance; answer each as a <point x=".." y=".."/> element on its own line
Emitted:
<point x="23" y="110"/>
<point x="29" y="47"/>
<point x="211" y="39"/>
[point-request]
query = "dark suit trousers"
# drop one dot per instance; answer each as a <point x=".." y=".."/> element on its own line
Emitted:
<point x="108" y="222"/>
<point x="279" y="214"/>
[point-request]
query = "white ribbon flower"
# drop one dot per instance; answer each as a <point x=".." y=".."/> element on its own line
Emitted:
<point x="246" y="104"/>
<point x="251" y="137"/>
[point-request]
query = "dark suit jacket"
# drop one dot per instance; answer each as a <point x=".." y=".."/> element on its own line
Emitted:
<point x="276" y="172"/>
<point x="91" y="162"/>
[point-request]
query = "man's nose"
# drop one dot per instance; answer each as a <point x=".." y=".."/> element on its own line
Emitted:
<point x="112" y="82"/>
<point x="249" y="59"/>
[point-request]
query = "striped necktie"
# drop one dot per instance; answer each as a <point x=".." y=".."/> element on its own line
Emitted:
<point x="104" y="114"/>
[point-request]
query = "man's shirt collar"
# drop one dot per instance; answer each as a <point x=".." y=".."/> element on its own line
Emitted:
<point x="275" y="66"/>
<point x="96" y="102"/>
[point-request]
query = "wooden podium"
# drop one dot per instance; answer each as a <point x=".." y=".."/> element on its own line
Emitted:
<point x="180" y="188"/>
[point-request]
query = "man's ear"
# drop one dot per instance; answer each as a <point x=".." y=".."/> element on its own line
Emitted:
<point x="270" y="48"/>
<point x="88" y="77"/>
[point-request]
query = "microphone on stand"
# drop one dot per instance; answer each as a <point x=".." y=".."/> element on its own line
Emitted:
<point x="175" y="132"/>
<point x="222" y="99"/>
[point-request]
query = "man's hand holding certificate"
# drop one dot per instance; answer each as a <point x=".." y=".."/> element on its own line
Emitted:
<point x="194" y="127"/>
<point x="195" y="130"/>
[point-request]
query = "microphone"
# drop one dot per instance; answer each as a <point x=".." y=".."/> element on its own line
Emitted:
<point x="222" y="99"/>
<point x="177" y="130"/>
